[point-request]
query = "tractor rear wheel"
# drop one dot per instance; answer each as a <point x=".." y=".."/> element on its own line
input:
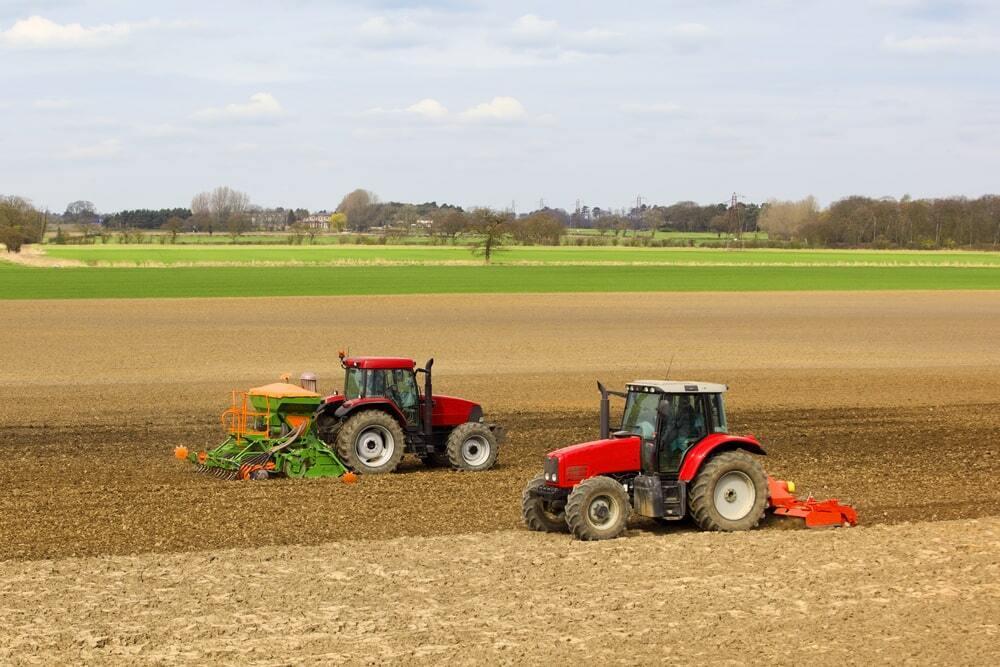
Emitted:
<point x="538" y="514"/>
<point x="472" y="446"/>
<point x="598" y="509"/>
<point x="371" y="442"/>
<point x="729" y="493"/>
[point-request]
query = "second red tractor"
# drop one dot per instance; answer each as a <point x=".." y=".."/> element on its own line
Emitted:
<point x="382" y="414"/>
<point x="672" y="458"/>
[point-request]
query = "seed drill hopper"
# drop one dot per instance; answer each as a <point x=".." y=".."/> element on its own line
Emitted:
<point x="272" y="432"/>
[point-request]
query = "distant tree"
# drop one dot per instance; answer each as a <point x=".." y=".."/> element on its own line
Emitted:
<point x="602" y="224"/>
<point x="449" y="223"/>
<point x="338" y="222"/>
<point x="492" y="228"/>
<point x="362" y="210"/>
<point x="298" y="233"/>
<point x="237" y="224"/>
<point x="220" y="205"/>
<point x="174" y="226"/>
<point x="145" y="218"/>
<point x="81" y="211"/>
<point x="787" y="219"/>
<point x="540" y="227"/>
<point x="20" y="223"/>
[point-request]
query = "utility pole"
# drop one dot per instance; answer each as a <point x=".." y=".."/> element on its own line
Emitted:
<point x="736" y="217"/>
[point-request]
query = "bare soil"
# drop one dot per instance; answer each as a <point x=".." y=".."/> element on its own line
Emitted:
<point x="923" y="593"/>
<point x="891" y="401"/>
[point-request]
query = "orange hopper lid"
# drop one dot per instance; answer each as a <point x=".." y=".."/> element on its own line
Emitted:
<point x="282" y="390"/>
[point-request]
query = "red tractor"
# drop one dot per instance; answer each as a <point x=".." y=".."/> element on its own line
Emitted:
<point x="672" y="457"/>
<point x="381" y="415"/>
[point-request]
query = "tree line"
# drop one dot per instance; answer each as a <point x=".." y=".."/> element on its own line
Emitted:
<point x="887" y="223"/>
<point x="850" y="222"/>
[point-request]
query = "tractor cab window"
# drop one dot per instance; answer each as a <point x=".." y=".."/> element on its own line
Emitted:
<point x="399" y="385"/>
<point x="718" y="409"/>
<point x="682" y="424"/>
<point x="403" y="391"/>
<point x="640" y="414"/>
<point x="353" y="382"/>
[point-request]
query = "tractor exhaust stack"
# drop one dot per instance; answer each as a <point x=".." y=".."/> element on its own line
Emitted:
<point x="428" y="401"/>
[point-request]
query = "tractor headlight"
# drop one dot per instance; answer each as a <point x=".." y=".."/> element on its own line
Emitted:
<point x="551" y="469"/>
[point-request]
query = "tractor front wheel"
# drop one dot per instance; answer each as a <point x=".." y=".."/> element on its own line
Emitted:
<point x="729" y="493"/>
<point x="371" y="442"/>
<point x="472" y="446"/>
<point x="598" y="509"/>
<point x="538" y="514"/>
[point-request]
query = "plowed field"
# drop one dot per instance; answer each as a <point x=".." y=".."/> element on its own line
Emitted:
<point x="891" y="401"/>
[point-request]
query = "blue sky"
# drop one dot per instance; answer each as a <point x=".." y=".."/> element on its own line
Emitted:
<point x="483" y="103"/>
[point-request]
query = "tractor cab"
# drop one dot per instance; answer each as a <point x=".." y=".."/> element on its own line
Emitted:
<point x="671" y="417"/>
<point x="394" y="378"/>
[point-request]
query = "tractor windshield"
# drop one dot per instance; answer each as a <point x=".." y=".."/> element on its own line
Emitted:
<point x="353" y="383"/>
<point x="640" y="413"/>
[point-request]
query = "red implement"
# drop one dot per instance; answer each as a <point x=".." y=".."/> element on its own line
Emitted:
<point x="817" y="513"/>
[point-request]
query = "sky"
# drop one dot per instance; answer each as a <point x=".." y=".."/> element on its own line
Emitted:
<point x="142" y="105"/>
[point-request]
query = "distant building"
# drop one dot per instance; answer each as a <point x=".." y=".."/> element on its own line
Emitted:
<point x="318" y="220"/>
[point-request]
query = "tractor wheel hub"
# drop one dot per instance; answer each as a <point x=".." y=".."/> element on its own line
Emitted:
<point x="734" y="495"/>
<point x="375" y="445"/>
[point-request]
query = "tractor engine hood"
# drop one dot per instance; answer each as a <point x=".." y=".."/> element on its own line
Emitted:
<point x="599" y="457"/>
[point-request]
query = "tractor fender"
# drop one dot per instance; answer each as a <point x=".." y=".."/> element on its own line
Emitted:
<point x="330" y="404"/>
<point x="348" y="408"/>
<point x="711" y="445"/>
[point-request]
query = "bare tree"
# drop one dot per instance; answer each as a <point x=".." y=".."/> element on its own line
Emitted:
<point x="361" y="208"/>
<point x="220" y="206"/>
<point x="492" y="228"/>
<point x="20" y="223"/>
<point x="449" y="222"/>
<point x="173" y="226"/>
<point x="81" y="211"/>
<point x="785" y="219"/>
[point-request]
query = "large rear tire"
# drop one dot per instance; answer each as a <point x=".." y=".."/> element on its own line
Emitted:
<point x="371" y="442"/>
<point x="536" y="513"/>
<point x="598" y="509"/>
<point x="472" y="446"/>
<point x="729" y="493"/>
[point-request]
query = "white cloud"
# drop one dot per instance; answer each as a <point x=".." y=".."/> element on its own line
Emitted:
<point x="498" y="110"/>
<point x="651" y="108"/>
<point x="547" y="37"/>
<point x="51" y="104"/>
<point x="503" y="109"/>
<point x="391" y="33"/>
<point x="104" y="150"/>
<point x="428" y="108"/>
<point x="262" y="108"/>
<point x="532" y="28"/>
<point x="928" y="44"/>
<point x="37" y="32"/>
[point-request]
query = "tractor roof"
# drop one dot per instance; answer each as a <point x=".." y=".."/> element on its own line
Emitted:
<point x="379" y="362"/>
<point x="677" y="386"/>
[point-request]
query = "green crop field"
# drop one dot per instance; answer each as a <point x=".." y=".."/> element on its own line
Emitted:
<point x="333" y="254"/>
<point x="24" y="282"/>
